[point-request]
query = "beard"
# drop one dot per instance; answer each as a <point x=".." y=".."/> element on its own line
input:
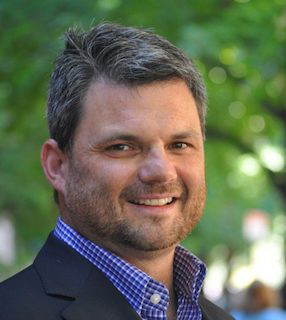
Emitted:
<point x="100" y="217"/>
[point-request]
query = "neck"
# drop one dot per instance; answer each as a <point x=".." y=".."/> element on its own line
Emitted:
<point x="157" y="264"/>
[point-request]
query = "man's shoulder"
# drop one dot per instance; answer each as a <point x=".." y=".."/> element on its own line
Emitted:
<point x="20" y="283"/>
<point x="25" y="295"/>
<point x="18" y="293"/>
<point x="212" y="311"/>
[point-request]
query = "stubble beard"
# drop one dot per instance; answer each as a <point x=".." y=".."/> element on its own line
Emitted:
<point x="94" y="214"/>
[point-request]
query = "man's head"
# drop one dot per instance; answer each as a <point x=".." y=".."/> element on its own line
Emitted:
<point x="126" y="116"/>
<point x="122" y="55"/>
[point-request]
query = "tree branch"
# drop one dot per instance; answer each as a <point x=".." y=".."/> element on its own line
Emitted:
<point x="276" y="111"/>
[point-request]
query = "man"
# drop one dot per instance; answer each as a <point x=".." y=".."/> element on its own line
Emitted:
<point x="126" y="160"/>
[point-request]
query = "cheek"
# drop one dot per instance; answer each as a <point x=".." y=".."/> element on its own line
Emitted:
<point x="114" y="175"/>
<point x="192" y="175"/>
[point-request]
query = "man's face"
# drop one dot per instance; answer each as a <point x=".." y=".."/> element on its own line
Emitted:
<point x="135" y="177"/>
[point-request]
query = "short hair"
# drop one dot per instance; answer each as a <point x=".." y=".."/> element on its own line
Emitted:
<point x="121" y="55"/>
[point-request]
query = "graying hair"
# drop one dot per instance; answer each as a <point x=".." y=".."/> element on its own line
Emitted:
<point x="122" y="55"/>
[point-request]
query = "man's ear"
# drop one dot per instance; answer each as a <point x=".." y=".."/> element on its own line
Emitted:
<point x="54" y="163"/>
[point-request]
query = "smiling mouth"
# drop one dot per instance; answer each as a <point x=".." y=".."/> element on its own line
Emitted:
<point x="154" y="202"/>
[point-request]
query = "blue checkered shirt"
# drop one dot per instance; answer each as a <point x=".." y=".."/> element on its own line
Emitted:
<point x="137" y="287"/>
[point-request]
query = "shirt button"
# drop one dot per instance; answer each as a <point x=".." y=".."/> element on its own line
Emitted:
<point x="155" y="298"/>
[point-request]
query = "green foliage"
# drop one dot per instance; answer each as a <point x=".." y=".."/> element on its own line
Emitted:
<point x="239" y="47"/>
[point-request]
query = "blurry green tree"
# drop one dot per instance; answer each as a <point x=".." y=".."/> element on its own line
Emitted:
<point x="239" y="46"/>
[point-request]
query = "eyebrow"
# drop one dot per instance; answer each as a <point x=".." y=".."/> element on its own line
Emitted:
<point x="123" y="136"/>
<point x="186" y="134"/>
<point x="133" y="138"/>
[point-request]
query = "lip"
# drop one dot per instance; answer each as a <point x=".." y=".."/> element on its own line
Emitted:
<point x="156" y="196"/>
<point x="154" y="200"/>
<point x="164" y="210"/>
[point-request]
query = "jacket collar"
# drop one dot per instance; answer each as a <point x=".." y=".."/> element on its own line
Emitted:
<point x="210" y="311"/>
<point x="65" y="273"/>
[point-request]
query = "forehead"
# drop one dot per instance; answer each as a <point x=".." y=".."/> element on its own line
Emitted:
<point x="159" y="107"/>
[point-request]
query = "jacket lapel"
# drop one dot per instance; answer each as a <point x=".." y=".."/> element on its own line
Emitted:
<point x="66" y="274"/>
<point x="211" y="312"/>
<point x="99" y="299"/>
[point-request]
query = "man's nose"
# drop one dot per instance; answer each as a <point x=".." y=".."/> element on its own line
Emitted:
<point x="157" y="167"/>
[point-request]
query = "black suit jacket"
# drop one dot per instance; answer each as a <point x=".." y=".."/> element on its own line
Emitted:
<point x="61" y="284"/>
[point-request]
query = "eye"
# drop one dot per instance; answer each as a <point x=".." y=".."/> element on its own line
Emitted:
<point x="121" y="150"/>
<point x="119" y="147"/>
<point x="179" y="145"/>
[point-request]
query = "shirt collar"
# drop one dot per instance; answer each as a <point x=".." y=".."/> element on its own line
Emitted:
<point x="129" y="280"/>
<point x="189" y="271"/>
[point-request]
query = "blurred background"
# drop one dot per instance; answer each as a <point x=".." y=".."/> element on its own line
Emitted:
<point x="240" y="48"/>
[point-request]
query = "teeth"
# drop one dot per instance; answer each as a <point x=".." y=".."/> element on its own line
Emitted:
<point x="154" y="202"/>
